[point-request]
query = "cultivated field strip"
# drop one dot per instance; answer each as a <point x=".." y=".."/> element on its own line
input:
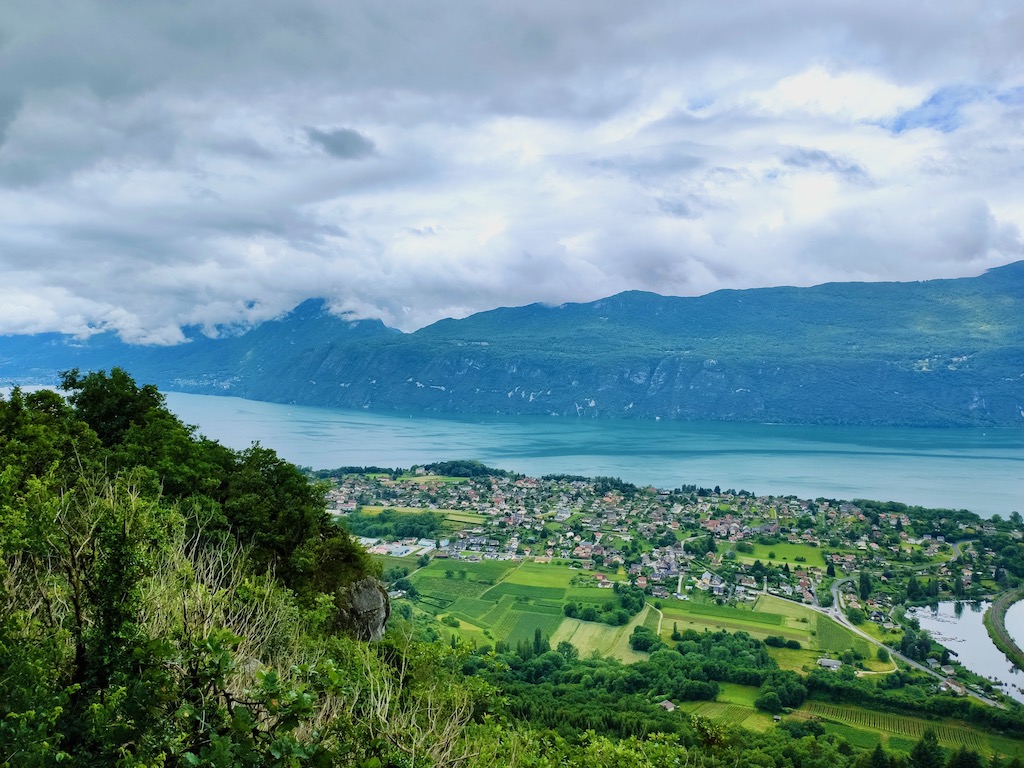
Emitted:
<point x="719" y="712"/>
<point x="728" y="612"/>
<point x="545" y="609"/>
<point x="900" y="725"/>
<point x="525" y="590"/>
<point x="833" y="637"/>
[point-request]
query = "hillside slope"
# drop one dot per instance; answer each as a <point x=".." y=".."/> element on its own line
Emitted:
<point x="940" y="353"/>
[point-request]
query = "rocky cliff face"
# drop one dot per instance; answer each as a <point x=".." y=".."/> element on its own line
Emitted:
<point x="365" y="609"/>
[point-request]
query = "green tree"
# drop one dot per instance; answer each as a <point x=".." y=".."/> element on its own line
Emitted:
<point x="539" y="644"/>
<point x="927" y="753"/>
<point x="964" y="758"/>
<point x="568" y="651"/>
<point x="878" y="759"/>
<point x="914" y="589"/>
<point x="769" y="701"/>
<point x="112" y="404"/>
<point x="865" y="585"/>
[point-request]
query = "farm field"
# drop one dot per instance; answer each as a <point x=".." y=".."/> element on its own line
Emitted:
<point x="460" y="516"/>
<point x="732" y="693"/>
<point x="508" y="601"/>
<point x="833" y="638"/>
<point x="906" y="729"/>
<point x="543" y="574"/>
<point x="605" y="640"/>
<point x="700" y="615"/>
<point x="796" y="616"/>
<point x="728" y="714"/>
<point x="879" y="633"/>
<point x="454" y="519"/>
<point x="430" y="479"/>
<point x="803" y="660"/>
<point x="784" y="553"/>
<point x="390" y="561"/>
<point x="492" y="600"/>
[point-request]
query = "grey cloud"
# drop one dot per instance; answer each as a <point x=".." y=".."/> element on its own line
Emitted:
<point x="820" y="160"/>
<point x="343" y="143"/>
<point x="678" y="208"/>
<point x="156" y="165"/>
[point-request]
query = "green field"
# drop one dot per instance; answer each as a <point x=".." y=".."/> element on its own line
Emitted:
<point x="833" y="638"/>
<point x="470" y="608"/>
<point x="454" y="519"/>
<point x="488" y="571"/>
<point x="592" y="637"/>
<point x="458" y="516"/>
<point x="390" y="561"/>
<point x="796" y="615"/>
<point x="542" y="608"/>
<point x="494" y="597"/>
<point x="700" y="614"/>
<point x="951" y="734"/>
<point x="730" y="613"/>
<point x="526" y="591"/>
<point x="590" y="595"/>
<point x="510" y="600"/>
<point x="725" y="713"/>
<point x="543" y="575"/>
<point x="731" y="693"/>
<point x="802" y="660"/>
<point x="784" y="553"/>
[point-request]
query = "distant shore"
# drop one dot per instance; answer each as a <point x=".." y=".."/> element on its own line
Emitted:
<point x="995" y="623"/>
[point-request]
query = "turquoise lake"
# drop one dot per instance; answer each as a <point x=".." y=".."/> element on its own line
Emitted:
<point x="980" y="470"/>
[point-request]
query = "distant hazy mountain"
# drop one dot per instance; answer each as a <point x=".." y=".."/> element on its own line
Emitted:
<point x="941" y="352"/>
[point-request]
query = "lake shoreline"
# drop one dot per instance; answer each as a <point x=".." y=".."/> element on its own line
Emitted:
<point x="995" y="622"/>
<point x="937" y="469"/>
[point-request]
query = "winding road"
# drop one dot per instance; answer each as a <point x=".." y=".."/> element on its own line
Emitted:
<point x="835" y="612"/>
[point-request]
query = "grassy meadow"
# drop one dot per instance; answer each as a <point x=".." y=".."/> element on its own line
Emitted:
<point x="785" y="553"/>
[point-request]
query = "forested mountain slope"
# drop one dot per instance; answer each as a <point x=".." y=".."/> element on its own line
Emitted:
<point x="942" y="352"/>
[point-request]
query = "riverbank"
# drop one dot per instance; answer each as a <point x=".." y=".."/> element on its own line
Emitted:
<point x="995" y="623"/>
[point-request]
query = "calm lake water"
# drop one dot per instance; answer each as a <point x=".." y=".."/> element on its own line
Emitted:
<point x="957" y="469"/>
<point x="959" y="627"/>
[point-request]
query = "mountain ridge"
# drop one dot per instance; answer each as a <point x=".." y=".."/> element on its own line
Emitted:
<point x="929" y="353"/>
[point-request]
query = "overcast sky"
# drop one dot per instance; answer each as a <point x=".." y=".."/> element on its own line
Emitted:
<point x="215" y="162"/>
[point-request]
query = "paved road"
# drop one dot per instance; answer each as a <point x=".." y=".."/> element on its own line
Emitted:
<point x="836" y="613"/>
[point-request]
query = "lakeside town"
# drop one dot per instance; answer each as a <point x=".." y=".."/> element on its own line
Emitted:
<point x="729" y="543"/>
<point x="862" y="564"/>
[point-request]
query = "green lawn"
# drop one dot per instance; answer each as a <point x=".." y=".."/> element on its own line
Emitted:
<point x="784" y="553"/>
<point x="731" y="693"/>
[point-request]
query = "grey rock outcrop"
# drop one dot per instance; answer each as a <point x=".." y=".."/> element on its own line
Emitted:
<point x="365" y="609"/>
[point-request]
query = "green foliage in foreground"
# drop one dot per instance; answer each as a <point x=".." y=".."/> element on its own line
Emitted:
<point x="165" y="601"/>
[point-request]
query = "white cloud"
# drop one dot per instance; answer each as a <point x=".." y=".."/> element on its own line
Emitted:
<point x="221" y="163"/>
<point x="851" y="96"/>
